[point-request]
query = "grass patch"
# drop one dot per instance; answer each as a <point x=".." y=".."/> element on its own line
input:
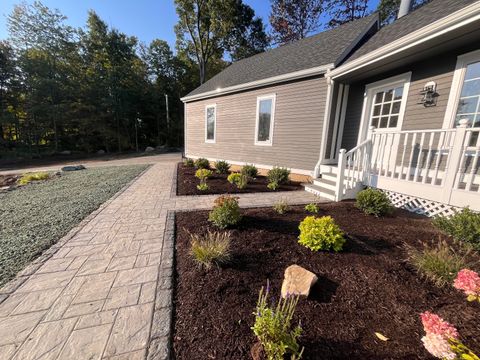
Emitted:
<point x="35" y="217"/>
<point x="213" y="248"/>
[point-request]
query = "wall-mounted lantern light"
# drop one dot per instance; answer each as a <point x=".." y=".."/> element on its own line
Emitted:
<point x="429" y="94"/>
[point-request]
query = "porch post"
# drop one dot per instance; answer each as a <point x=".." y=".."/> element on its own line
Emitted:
<point x="340" y="175"/>
<point x="455" y="157"/>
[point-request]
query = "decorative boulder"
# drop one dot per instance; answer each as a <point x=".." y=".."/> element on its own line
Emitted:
<point x="149" y="149"/>
<point x="73" y="168"/>
<point x="297" y="281"/>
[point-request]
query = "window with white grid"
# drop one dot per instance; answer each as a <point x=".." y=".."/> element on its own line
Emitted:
<point x="386" y="107"/>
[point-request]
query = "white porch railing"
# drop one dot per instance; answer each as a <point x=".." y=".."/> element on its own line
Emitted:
<point x="441" y="165"/>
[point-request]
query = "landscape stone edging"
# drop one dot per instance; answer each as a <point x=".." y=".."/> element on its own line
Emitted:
<point x="12" y="285"/>
<point x="173" y="189"/>
<point x="160" y="341"/>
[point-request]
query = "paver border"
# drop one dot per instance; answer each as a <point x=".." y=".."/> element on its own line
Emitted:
<point x="12" y="285"/>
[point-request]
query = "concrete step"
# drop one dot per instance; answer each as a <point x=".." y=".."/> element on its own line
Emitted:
<point x="325" y="183"/>
<point x="329" y="176"/>
<point x="320" y="191"/>
<point x="329" y="169"/>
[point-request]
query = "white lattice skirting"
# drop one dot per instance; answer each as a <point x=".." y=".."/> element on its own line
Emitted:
<point x="419" y="206"/>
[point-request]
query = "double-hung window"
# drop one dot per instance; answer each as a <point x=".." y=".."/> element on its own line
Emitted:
<point x="265" y="119"/>
<point x="210" y="123"/>
<point x="469" y="99"/>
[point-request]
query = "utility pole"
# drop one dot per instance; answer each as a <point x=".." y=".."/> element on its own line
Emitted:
<point x="168" y="121"/>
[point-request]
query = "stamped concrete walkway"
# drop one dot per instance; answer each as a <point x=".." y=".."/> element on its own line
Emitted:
<point x="94" y="298"/>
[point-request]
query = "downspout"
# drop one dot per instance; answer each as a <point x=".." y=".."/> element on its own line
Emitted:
<point x="404" y="8"/>
<point x="326" y="123"/>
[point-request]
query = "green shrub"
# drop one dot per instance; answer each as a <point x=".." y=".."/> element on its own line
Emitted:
<point x="250" y="170"/>
<point x="273" y="327"/>
<point x="28" y="178"/>
<point x="281" y="206"/>
<point x="225" y="212"/>
<point x="320" y="234"/>
<point x="374" y="202"/>
<point x="312" y="208"/>
<point x="463" y="226"/>
<point x="273" y="185"/>
<point x="202" y="163"/>
<point x="239" y="180"/>
<point x="213" y="248"/>
<point x="188" y="162"/>
<point x="438" y="263"/>
<point x="203" y="175"/>
<point x="278" y="175"/>
<point x="222" y="167"/>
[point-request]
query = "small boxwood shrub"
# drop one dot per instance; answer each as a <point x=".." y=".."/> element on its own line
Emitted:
<point x="239" y="180"/>
<point x="250" y="170"/>
<point x="188" y="162"/>
<point x="374" y="202"/>
<point x="463" y="226"/>
<point x="225" y="212"/>
<point x="28" y="178"/>
<point x="213" y="248"/>
<point x="202" y="163"/>
<point x="321" y="234"/>
<point x="222" y="167"/>
<point x="278" y="175"/>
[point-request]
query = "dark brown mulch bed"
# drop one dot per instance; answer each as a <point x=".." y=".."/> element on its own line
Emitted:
<point x="218" y="184"/>
<point x="365" y="289"/>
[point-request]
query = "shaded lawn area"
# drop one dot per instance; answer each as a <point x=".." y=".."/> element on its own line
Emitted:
<point x="34" y="217"/>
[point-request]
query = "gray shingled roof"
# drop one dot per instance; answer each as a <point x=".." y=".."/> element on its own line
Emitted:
<point x="423" y="16"/>
<point x="317" y="50"/>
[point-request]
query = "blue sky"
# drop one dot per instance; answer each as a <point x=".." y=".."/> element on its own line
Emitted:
<point x="146" y="19"/>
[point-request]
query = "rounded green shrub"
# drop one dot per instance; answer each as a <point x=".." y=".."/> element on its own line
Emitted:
<point x="312" y="208"/>
<point x="188" y="162"/>
<point x="374" y="202"/>
<point x="203" y="174"/>
<point x="225" y="212"/>
<point x="239" y="180"/>
<point x="463" y="226"/>
<point x="202" y="163"/>
<point x="250" y="170"/>
<point x="278" y="175"/>
<point x="321" y="234"/>
<point x="222" y="167"/>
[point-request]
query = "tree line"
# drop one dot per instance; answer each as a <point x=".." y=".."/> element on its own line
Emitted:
<point x="97" y="88"/>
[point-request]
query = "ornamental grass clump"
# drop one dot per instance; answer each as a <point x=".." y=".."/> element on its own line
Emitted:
<point x="281" y="207"/>
<point x="374" y="202"/>
<point x="442" y="339"/>
<point x="463" y="226"/>
<point x="222" y="167"/>
<point x="203" y="175"/>
<point x="188" y="162"/>
<point x="438" y="263"/>
<point x="249" y="170"/>
<point x="225" y="212"/>
<point x="276" y="177"/>
<point x="274" y="329"/>
<point x="28" y="178"/>
<point x="321" y="234"/>
<point x="202" y="163"/>
<point x="210" y="249"/>
<point x="238" y="179"/>
<point x="469" y="282"/>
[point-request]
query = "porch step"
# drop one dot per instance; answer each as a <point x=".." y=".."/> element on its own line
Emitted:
<point x="330" y="169"/>
<point x="320" y="191"/>
<point x="329" y="176"/>
<point x="328" y="183"/>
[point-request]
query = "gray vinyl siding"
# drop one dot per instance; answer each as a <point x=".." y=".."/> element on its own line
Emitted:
<point x="297" y="133"/>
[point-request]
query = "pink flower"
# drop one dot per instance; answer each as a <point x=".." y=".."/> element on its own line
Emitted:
<point x="434" y="324"/>
<point x="438" y="346"/>
<point x="468" y="281"/>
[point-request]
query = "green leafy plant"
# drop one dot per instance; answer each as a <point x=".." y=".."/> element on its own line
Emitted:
<point x="28" y="178"/>
<point x="463" y="226"/>
<point x="273" y="327"/>
<point x="312" y="208"/>
<point x="281" y="206"/>
<point x="374" y="202"/>
<point x="273" y="185"/>
<point x="438" y="263"/>
<point x="321" y="234"/>
<point x="239" y="180"/>
<point x="249" y="170"/>
<point x="225" y="212"/>
<point x="203" y="175"/>
<point x="222" y="167"/>
<point x="202" y="163"/>
<point x="213" y="248"/>
<point x="278" y="175"/>
<point x="188" y="162"/>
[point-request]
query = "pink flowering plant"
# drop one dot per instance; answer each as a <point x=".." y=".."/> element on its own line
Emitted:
<point x="469" y="282"/>
<point x="442" y="339"/>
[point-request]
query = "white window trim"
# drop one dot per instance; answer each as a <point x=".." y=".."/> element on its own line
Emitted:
<point x="370" y="89"/>
<point x="272" y="120"/>
<point x="456" y="88"/>
<point x="211" y="141"/>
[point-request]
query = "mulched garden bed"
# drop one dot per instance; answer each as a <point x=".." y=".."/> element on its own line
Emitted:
<point x="218" y="184"/>
<point x="367" y="288"/>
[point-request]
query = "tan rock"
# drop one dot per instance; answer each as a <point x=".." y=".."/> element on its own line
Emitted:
<point x="297" y="281"/>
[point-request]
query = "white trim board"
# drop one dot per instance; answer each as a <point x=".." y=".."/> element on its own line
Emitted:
<point x="268" y="142"/>
<point x="458" y="19"/>
<point x="260" y="166"/>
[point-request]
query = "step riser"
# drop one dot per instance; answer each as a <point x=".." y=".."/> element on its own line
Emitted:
<point x="320" y="193"/>
<point x="325" y="185"/>
<point x="329" y="177"/>
<point x="328" y="169"/>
